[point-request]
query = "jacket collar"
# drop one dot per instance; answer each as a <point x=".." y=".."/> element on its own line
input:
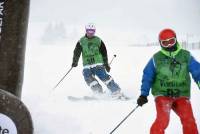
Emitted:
<point x="171" y="53"/>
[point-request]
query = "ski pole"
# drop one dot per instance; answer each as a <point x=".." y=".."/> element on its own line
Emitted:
<point x="124" y="119"/>
<point x="112" y="59"/>
<point x="63" y="77"/>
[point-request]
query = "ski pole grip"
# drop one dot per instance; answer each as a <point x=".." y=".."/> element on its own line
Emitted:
<point x="13" y="29"/>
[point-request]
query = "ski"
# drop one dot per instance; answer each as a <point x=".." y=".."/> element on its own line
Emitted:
<point x="86" y="98"/>
<point x="93" y="98"/>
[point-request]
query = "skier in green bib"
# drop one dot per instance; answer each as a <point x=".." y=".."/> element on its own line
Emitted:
<point x="168" y="75"/>
<point x="95" y="62"/>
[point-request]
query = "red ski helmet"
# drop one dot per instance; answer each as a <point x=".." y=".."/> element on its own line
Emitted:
<point x="167" y="38"/>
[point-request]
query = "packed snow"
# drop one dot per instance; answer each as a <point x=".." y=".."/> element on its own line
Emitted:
<point x="53" y="113"/>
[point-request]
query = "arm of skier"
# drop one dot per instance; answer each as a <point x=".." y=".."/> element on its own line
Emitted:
<point x="104" y="54"/>
<point x="194" y="69"/>
<point x="147" y="81"/>
<point x="77" y="53"/>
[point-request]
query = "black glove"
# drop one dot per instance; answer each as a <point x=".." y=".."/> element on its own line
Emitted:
<point x="142" y="100"/>
<point x="107" y="67"/>
<point x="74" y="64"/>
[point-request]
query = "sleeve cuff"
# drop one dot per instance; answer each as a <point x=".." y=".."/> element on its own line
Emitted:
<point x="144" y="93"/>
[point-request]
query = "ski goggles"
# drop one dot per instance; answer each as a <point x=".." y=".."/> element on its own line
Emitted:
<point x="90" y="31"/>
<point x="168" y="42"/>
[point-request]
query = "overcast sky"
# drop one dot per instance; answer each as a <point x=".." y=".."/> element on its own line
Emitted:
<point x="132" y="19"/>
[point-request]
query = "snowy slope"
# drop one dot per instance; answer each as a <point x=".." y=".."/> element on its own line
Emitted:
<point x="52" y="113"/>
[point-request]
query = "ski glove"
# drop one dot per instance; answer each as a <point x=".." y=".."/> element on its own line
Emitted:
<point x="74" y="64"/>
<point x="142" y="100"/>
<point x="107" y="67"/>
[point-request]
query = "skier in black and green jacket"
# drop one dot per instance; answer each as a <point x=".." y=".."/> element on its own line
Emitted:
<point x="95" y="62"/>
